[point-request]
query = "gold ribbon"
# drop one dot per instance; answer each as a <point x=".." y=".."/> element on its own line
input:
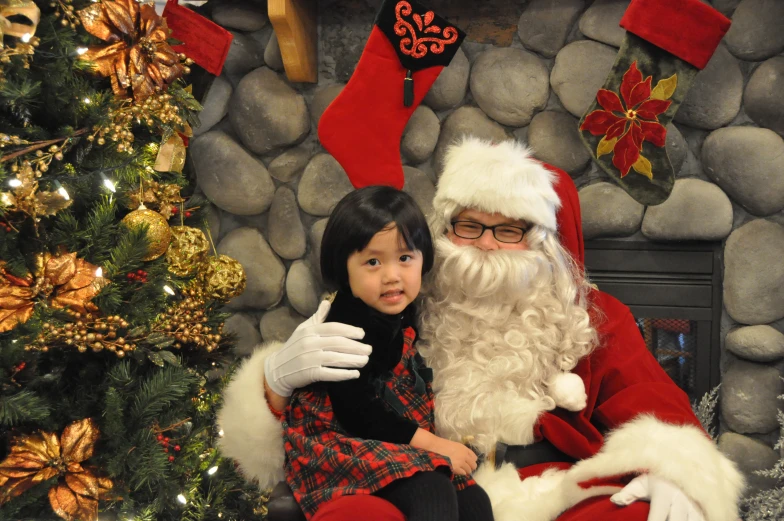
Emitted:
<point x="171" y="155"/>
<point x="26" y="8"/>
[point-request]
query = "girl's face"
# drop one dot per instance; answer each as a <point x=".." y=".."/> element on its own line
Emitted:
<point x="386" y="275"/>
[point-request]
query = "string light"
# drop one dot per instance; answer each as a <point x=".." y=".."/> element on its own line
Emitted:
<point x="220" y="433"/>
<point x="87" y="101"/>
<point x="26" y="37"/>
<point x="109" y="184"/>
<point x="81" y="50"/>
<point x="62" y="191"/>
<point x="182" y="499"/>
<point x="99" y="272"/>
<point x="14" y="183"/>
<point x="212" y="470"/>
<point x="168" y="290"/>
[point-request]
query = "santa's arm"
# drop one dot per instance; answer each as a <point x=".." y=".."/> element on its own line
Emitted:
<point x="252" y="434"/>
<point x="651" y="425"/>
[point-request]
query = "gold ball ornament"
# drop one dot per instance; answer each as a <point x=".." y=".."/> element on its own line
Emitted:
<point x="158" y="232"/>
<point x="187" y="250"/>
<point x="223" y="278"/>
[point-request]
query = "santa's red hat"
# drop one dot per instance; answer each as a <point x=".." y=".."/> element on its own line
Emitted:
<point x="497" y="178"/>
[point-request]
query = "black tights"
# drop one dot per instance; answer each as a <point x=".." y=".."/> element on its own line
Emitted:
<point x="431" y="496"/>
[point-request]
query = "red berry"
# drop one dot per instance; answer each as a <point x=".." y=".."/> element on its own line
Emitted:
<point x="159" y="437"/>
<point x="188" y="214"/>
<point x="22" y="365"/>
<point x="166" y="439"/>
<point x="8" y="229"/>
<point x="177" y="448"/>
<point x="140" y="272"/>
<point x="171" y="458"/>
<point x="165" y="450"/>
<point x="174" y="210"/>
<point x="130" y="276"/>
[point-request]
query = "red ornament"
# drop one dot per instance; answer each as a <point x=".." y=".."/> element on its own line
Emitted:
<point x="171" y="458"/>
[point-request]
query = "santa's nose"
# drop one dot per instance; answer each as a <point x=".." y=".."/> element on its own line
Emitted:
<point x="486" y="241"/>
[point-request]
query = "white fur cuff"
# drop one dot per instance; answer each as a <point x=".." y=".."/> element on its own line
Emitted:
<point x="252" y="435"/>
<point x="681" y="454"/>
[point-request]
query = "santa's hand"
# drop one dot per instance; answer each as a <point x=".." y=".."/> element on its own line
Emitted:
<point x="316" y="352"/>
<point x="568" y="391"/>
<point x="668" y="503"/>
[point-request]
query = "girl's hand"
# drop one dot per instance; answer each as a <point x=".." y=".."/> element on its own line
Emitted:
<point x="462" y="458"/>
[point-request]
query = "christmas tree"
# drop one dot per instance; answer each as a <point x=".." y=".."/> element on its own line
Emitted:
<point x="110" y="293"/>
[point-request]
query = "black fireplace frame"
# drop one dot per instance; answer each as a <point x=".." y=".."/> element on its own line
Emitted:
<point x="678" y="280"/>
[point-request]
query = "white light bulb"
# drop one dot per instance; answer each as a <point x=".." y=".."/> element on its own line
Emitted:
<point x="181" y="499"/>
<point x="212" y="470"/>
<point x="63" y="193"/>
<point x="108" y="184"/>
<point x="14" y="183"/>
<point x="99" y="272"/>
<point x="26" y="37"/>
<point x="168" y="290"/>
<point x="81" y="50"/>
<point x="220" y="433"/>
<point x="87" y="101"/>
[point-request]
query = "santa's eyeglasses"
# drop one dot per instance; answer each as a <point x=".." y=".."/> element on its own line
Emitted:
<point x="501" y="232"/>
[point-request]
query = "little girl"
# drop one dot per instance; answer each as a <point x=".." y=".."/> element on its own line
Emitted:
<point x="374" y="435"/>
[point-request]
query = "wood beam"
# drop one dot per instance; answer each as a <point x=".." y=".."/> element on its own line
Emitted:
<point x="296" y="28"/>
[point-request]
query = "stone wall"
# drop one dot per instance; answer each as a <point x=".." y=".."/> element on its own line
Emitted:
<point x="257" y="158"/>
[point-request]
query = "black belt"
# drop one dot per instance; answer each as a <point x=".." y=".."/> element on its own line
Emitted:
<point x="526" y="455"/>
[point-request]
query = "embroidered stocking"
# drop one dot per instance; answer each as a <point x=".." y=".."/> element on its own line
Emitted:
<point x="667" y="43"/>
<point x="407" y="49"/>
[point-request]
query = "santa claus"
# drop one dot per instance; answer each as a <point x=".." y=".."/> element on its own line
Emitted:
<point x="504" y="313"/>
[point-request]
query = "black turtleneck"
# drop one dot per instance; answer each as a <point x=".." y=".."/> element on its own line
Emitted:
<point x="354" y="402"/>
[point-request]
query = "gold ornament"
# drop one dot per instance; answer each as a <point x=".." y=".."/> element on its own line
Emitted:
<point x="43" y="456"/>
<point x="223" y="277"/>
<point x="137" y="56"/>
<point x="187" y="251"/>
<point x="158" y="231"/>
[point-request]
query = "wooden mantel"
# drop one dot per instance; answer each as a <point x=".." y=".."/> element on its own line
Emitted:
<point x="296" y="27"/>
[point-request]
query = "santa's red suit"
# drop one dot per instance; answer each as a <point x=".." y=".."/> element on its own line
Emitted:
<point x="636" y="419"/>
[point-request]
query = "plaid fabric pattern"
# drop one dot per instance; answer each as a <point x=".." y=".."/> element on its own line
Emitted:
<point x="323" y="462"/>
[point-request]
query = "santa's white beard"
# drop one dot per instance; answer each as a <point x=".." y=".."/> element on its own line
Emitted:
<point x="495" y="327"/>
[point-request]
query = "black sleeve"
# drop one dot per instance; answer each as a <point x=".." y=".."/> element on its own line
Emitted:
<point x="365" y="416"/>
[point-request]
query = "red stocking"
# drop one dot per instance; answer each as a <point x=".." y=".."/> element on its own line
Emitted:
<point x="404" y="55"/>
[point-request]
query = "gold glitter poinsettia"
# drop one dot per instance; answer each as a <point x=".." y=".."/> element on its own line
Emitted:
<point x="27" y="199"/>
<point x="40" y="457"/>
<point x="137" y="57"/>
<point x="65" y="280"/>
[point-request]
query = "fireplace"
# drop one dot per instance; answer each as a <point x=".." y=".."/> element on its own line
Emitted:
<point x="674" y="292"/>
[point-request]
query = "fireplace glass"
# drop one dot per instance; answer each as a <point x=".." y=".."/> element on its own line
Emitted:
<point x="674" y="292"/>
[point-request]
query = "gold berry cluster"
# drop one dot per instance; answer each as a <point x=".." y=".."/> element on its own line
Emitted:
<point x="87" y="331"/>
<point x="186" y="321"/>
<point x="64" y="10"/>
<point x="155" y="112"/>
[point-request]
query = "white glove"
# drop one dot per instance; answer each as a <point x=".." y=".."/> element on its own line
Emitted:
<point x="568" y="391"/>
<point x="316" y="352"/>
<point x="668" y="503"/>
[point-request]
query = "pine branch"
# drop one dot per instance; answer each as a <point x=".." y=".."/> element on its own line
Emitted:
<point x="22" y="407"/>
<point x="161" y="390"/>
<point x="127" y="255"/>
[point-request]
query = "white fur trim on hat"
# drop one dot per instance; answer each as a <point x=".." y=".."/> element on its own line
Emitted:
<point x="498" y="178"/>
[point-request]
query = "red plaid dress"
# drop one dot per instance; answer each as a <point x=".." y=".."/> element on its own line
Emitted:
<point x="324" y="462"/>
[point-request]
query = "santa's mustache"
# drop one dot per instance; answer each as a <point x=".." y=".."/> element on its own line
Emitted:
<point x="477" y="273"/>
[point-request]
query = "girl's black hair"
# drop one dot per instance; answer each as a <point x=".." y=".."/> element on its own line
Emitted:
<point x="358" y="217"/>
